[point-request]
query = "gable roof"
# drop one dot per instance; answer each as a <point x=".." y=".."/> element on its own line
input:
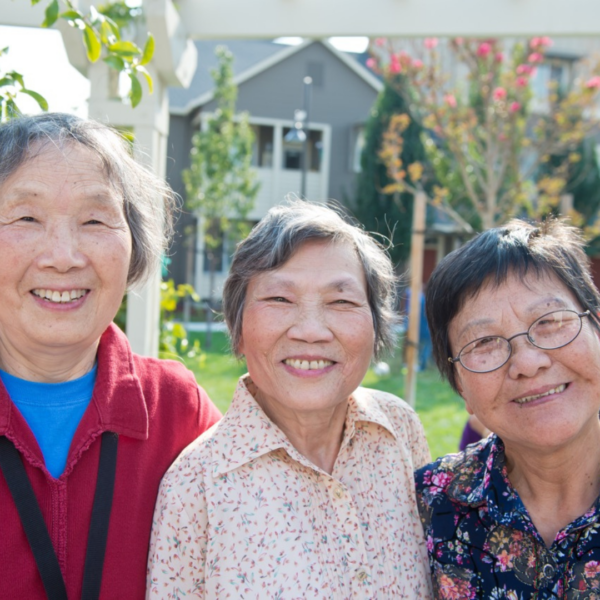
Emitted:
<point x="252" y="57"/>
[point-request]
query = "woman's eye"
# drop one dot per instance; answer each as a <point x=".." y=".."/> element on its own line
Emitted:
<point x="27" y="219"/>
<point x="93" y="222"/>
<point x="278" y="299"/>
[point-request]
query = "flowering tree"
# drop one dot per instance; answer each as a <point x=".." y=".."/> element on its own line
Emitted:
<point x="483" y="127"/>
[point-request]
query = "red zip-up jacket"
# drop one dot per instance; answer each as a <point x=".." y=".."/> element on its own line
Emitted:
<point x="157" y="409"/>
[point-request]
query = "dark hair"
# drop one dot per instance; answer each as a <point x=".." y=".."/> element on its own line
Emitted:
<point x="148" y="202"/>
<point x="551" y="247"/>
<point x="280" y="234"/>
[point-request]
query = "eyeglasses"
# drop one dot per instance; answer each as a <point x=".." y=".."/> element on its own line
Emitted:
<point x="550" y="332"/>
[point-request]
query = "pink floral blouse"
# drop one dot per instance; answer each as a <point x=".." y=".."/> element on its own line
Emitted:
<point x="242" y="514"/>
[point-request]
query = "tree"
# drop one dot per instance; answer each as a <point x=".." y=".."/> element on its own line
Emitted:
<point x="101" y="35"/>
<point x="220" y="182"/>
<point x="388" y="213"/>
<point x="486" y="129"/>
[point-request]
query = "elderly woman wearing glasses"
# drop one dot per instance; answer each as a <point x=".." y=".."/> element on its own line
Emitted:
<point x="305" y="489"/>
<point x="514" y="319"/>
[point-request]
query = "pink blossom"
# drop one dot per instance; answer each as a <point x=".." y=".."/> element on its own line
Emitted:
<point x="380" y="41"/>
<point x="395" y="64"/>
<point x="593" y="83"/>
<point x="521" y="81"/>
<point x="450" y="100"/>
<point x="429" y="543"/>
<point x="484" y="49"/>
<point x="524" y="69"/>
<point x="459" y="41"/>
<point x="540" y="42"/>
<point x="499" y="93"/>
<point x="515" y="106"/>
<point x="371" y="63"/>
<point x="418" y="64"/>
<point x="431" y="43"/>
<point x="499" y="57"/>
<point x="535" y="57"/>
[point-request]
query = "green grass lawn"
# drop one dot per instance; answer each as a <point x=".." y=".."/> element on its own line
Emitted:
<point x="440" y="409"/>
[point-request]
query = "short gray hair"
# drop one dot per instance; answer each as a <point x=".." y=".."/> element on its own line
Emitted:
<point x="280" y="234"/>
<point x="148" y="202"/>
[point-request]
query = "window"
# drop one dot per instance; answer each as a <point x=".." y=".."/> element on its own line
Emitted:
<point x="293" y="150"/>
<point x="262" y="155"/>
<point x="555" y="74"/>
<point x="357" y="143"/>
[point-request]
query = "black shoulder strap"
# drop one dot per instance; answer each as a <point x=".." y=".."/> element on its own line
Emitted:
<point x="35" y="527"/>
<point x="32" y="520"/>
<point x="96" y="546"/>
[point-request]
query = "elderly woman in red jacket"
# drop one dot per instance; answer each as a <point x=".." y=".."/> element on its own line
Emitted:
<point x="87" y="428"/>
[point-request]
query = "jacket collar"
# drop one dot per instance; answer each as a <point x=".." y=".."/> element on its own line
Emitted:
<point x="117" y="402"/>
<point x="245" y="433"/>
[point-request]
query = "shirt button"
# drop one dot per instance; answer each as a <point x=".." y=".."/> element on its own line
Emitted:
<point x="361" y="575"/>
<point x="548" y="571"/>
<point x="339" y="492"/>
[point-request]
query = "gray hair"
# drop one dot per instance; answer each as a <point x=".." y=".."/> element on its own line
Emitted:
<point x="280" y="234"/>
<point x="148" y="201"/>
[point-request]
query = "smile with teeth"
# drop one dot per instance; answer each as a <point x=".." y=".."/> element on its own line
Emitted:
<point x="307" y="365"/>
<point x="59" y="297"/>
<point x="556" y="390"/>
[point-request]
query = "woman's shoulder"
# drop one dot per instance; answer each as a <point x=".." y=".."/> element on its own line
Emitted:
<point x="385" y="401"/>
<point x="461" y="476"/>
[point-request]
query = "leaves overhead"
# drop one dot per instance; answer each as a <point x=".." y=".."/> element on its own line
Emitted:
<point x="101" y="35"/>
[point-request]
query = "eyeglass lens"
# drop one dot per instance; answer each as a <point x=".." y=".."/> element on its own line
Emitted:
<point x="550" y="331"/>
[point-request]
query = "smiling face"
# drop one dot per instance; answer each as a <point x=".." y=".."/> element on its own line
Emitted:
<point x="307" y="330"/>
<point x="539" y="398"/>
<point x="65" y="248"/>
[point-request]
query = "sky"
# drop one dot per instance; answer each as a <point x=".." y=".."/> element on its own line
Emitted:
<point x="40" y="56"/>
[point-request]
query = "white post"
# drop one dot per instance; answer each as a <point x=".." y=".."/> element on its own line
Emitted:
<point x="174" y="63"/>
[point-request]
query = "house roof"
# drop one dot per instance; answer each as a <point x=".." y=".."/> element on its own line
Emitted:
<point x="251" y="58"/>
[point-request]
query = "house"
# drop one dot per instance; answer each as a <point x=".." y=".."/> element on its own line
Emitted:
<point x="270" y="87"/>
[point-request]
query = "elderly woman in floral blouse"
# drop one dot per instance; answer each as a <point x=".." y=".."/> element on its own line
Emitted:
<point x="514" y="315"/>
<point x="305" y="489"/>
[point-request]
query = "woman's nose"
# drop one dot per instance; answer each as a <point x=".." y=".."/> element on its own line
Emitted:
<point x="310" y="325"/>
<point x="61" y="248"/>
<point x="526" y="359"/>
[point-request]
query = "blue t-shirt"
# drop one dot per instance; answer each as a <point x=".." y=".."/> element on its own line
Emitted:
<point x="52" y="411"/>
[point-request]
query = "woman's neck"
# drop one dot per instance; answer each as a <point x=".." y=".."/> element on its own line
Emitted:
<point x="47" y="367"/>
<point x="317" y="435"/>
<point x="560" y="485"/>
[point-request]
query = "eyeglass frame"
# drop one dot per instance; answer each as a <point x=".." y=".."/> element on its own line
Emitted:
<point x="456" y="359"/>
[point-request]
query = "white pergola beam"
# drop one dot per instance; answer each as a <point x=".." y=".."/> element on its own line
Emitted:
<point x="416" y="18"/>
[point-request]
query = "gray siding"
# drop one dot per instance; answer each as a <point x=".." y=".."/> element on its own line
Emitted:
<point x="342" y="100"/>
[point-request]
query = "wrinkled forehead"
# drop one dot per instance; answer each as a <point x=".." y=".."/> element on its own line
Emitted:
<point x="530" y="295"/>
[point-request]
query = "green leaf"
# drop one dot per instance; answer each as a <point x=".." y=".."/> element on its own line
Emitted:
<point x="106" y="33"/>
<point x="115" y="28"/>
<point x="147" y="77"/>
<point x="51" y="14"/>
<point x="34" y="2"/>
<point x="92" y="43"/>
<point x="148" y="51"/>
<point x="115" y="62"/>
<point x="42" y="103"/>
<point x="124" y="49"/>
<point x="71" y="14"/>
<point x="17" y="77"/>
<point x="136" y="90"/>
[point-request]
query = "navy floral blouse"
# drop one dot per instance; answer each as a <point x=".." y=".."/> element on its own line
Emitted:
<point x="482" y="543"/>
